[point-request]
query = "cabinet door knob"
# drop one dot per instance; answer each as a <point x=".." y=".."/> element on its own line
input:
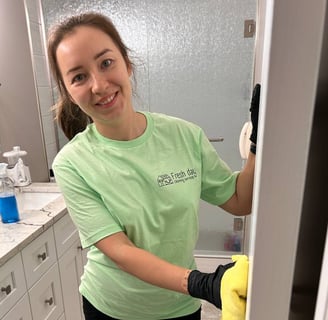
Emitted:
<point x="7" y="289"/>
<point x="42" y="256"/>
<point x="49" y="301"/>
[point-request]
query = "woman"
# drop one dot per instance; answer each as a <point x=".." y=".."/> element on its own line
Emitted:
<point x="132" y="182"/>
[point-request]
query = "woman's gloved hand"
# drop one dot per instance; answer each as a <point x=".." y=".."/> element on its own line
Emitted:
<point x="254" y="109"/>
<point x="226" y="288"/>
<point x="207" y="286"/>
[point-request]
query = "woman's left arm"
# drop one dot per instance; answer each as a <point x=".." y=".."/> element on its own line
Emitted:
<point x="240" y="203"/>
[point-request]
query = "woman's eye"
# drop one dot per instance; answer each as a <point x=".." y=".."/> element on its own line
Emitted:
<point x="106" y="63"/>
<point x="78" y="78"/>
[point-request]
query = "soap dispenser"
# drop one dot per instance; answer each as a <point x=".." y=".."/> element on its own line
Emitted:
<point x="17" y="170"/>
<point x="8" y="204"/>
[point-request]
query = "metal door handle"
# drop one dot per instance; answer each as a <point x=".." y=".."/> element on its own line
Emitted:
<point x="220" y="139"/>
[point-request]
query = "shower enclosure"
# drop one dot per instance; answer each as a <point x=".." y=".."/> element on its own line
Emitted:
<point x="194" y="60"/>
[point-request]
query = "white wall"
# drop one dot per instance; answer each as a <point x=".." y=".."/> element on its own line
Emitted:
<point x="42" y="77"/>
<point x="291" y="56"/>
<point x="20" y="118"/>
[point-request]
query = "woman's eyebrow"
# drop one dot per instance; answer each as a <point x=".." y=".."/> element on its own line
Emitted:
<point x="101" y="53"/>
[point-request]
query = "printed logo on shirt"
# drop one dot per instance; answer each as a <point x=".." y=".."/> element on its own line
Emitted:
<point x="176" y="177"/>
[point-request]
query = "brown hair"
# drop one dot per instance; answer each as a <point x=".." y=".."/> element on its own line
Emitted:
<point x="69" y="116"/>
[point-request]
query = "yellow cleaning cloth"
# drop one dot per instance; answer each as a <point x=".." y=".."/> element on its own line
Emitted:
<point x="234" y="289"/>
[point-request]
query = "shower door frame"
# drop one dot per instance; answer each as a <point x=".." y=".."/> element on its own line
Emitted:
<point x="289" y="77"/>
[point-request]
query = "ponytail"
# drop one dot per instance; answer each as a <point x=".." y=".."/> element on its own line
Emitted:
<point x="71" y="118"/>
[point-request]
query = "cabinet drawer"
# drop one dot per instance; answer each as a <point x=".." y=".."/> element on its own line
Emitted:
<point x="12" y="283"/>
<point x="45" y="296"/>
<point x="70" y="269"/>
<point x="65" y="234"/>
<point x="38" y="256"/>
<point x="21" y="311"/>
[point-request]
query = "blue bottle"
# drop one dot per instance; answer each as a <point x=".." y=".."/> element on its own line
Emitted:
<point x="8" y="204"/>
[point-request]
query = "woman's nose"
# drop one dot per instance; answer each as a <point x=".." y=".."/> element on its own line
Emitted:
<point x="99" y="83"/>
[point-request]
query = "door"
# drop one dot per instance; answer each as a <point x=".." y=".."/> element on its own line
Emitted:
<point x="293" y="115"/>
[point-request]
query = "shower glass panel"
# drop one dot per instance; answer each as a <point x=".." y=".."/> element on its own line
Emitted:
<point x="193" y="62"/>
<point x="200" y="69"/>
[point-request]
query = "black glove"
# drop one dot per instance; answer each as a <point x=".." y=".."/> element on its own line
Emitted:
<point x="254" y="109"/>
<point x="207" y="286"/>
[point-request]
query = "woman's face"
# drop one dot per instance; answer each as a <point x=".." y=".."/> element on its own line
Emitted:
<point x="95" y="74"/>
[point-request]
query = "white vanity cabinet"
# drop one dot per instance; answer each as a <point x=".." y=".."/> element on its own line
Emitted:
<point x="42" y="277"/>
<point x="39" y="256"/>
<point x="12" y="284"/>
<point x="21" y="311"/>
<point x="42" y="280"/>
<point x="71" y="262"/>
<point x="46" y="297"/>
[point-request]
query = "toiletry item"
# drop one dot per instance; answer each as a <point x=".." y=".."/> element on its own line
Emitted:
<point x="13" y="156"/>
<point x="8" y="204"/>
<point x="233" y="241"/>
<point x="17" y="170"/>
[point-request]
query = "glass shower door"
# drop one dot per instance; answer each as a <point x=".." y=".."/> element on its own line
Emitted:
<point x="201" y="69"/>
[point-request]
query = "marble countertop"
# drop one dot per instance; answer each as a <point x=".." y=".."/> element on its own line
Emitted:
<point x="33" y="220"/>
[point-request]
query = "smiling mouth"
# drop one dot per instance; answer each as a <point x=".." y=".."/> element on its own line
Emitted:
<point x="107" y="101"/>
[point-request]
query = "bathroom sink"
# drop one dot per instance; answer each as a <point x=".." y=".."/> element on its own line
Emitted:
<point x="35" y="200"/>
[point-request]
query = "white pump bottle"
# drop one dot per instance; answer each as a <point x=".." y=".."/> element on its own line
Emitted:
<point x="17" y="170"/>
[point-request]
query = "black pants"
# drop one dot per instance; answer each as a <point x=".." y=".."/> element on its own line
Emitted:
<point x="91" y="313"/>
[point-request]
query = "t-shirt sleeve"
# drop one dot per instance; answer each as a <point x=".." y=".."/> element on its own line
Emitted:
<point x="85" y="206"/>
<point x="218" y="180"/>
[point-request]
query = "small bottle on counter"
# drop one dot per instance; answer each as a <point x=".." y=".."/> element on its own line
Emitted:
<point x="16" y="169"/>
<point x="8" y="204"/>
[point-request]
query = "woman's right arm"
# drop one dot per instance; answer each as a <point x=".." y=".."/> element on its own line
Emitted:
<point x="153" y="270"/>
<point x="142" y="264"/>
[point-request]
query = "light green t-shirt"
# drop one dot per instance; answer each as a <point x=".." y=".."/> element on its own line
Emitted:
<point x="150" y="189"/>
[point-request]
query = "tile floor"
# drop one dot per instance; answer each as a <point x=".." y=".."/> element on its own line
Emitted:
<point x="210" y="312"/>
